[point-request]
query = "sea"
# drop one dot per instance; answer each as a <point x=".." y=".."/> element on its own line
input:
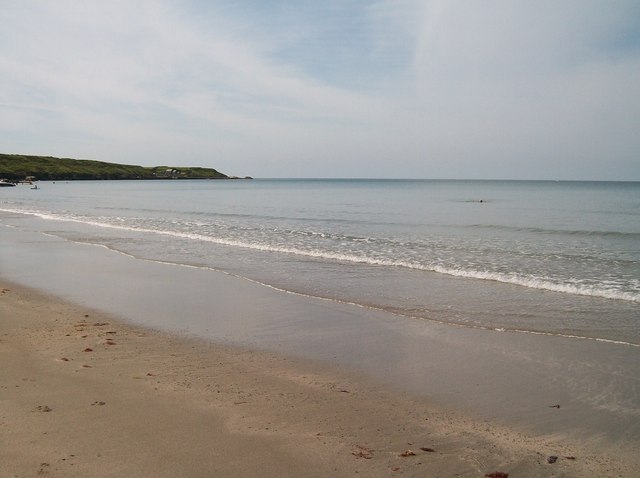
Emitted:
<point x="532" y="257"/>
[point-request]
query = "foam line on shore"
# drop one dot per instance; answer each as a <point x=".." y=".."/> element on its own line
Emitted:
<point x="351" y="303"/>
<point x="531" y="282"/>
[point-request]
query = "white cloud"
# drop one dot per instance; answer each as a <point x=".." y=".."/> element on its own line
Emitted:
<point x="475" y="89"/>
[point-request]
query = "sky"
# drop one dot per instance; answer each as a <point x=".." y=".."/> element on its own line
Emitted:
<point x="460" y="89"/>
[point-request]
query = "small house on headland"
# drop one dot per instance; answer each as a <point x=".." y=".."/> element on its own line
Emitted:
<point x="168" y="173"/>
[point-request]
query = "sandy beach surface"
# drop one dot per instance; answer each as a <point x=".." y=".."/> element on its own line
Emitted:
<point x="83" y="394"/>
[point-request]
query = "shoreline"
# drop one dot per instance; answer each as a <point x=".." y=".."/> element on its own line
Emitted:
<point x="86" y="394"/>
<point x="315" y="383"/>
<point x="499" y="376"/>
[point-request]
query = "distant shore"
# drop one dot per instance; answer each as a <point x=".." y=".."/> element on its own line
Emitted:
<point x="19" y="167"/>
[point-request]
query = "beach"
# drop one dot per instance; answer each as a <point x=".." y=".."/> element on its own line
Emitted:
<point x="84" y="394"/>
<point x="320" y="239"/>
<point x="163" y="330"/>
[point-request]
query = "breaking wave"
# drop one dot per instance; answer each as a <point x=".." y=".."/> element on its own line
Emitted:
<point x="360" y="257"/>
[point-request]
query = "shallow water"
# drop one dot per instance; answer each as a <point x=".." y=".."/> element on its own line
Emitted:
<point x="513" y="378"/>
<point x="560" y="258"/>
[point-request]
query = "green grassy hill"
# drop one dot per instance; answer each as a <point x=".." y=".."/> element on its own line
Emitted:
<point x="17" y="167"/>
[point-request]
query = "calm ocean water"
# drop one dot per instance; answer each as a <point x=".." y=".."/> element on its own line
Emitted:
<point x="558" y="258"/>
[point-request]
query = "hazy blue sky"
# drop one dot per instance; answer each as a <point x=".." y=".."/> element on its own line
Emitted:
<point x="393" y="88"/>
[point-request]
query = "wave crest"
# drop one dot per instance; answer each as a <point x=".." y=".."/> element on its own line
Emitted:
<point x="541" y="283"/>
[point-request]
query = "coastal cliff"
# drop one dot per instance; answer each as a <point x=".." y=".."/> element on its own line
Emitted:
<point x="17" y="167"/>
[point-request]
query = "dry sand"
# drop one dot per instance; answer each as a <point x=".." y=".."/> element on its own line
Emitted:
<point x="82" y="394"/>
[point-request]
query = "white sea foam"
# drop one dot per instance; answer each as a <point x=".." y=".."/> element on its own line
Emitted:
<point x="355" y="304"/>
<point x="529" y="281"/>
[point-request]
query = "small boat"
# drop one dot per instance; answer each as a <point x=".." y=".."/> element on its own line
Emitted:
<point x="5" y="184"/>
<point x="35" y="187"/>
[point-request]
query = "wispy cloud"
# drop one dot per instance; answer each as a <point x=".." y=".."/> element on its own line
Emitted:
<point x="406" y="87"/>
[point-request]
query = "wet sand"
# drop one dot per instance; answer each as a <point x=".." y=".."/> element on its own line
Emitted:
<point x="193" y="372"/>
<point x="84" y="394"/>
